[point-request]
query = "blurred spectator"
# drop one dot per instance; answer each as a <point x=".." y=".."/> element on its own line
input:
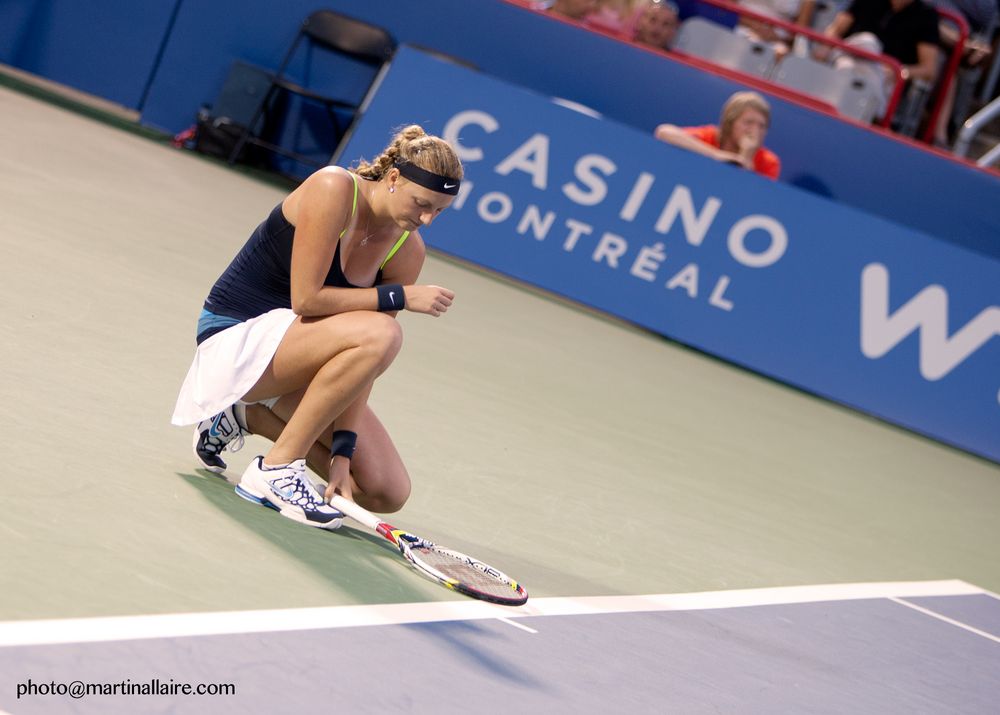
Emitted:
<point x="613" y="16"/>
<point x="656" y="23"/>
<point x="906" y="30"/>
<point x="572" y="9"/>
<point x="982" y="16"/>
<point x="739" y="138"/>
<point x="798" y="12"/>
<point x="648" y="22"/>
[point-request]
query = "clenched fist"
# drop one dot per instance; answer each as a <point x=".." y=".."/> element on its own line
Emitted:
<point x="430" y="300"/>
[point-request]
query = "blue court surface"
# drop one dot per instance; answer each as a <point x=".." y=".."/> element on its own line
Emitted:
<point x="923" y="647"/>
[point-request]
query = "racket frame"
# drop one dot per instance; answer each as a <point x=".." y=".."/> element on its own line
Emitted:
<point x="406" y="542"/>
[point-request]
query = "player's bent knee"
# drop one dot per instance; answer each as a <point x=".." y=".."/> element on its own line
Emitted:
<point x="387" y="498"/>
<point x="396" y="501"/>
<point x="388" y="504"/>
<point x="383" y="336"/>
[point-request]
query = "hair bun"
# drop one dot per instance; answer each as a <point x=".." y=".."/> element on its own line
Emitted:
<point x="414" y="131"/>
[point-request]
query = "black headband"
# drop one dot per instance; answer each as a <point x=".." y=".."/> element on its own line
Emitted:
<point x="428" y="179"/>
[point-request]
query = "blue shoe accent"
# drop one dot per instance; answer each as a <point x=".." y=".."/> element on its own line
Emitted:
<point x="251" y="498"/>
<point x="214" y="435"/>
<point x="287" y="490"/>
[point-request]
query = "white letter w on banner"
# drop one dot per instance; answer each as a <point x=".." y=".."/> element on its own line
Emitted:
<point x="926" y="311"/>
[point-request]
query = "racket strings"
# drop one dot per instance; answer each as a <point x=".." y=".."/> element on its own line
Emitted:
<point x="460" y="569"/>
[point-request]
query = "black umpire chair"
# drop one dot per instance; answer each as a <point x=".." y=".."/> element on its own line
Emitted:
<point x="367" y="48"/>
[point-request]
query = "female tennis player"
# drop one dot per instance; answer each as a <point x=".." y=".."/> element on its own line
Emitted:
<point x="301" y="323"/>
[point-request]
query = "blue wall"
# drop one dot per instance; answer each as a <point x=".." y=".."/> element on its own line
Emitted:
<point x="107" y="48"/>
<point x="845" y="305"/>
<point x="113" y="56"/>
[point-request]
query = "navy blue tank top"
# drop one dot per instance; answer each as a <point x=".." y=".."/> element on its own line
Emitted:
<point x="259" y="278"/>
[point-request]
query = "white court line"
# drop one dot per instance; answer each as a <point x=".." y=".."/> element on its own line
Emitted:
<point x="509" y="622"/>
<point x="175" y="625"/>
<point x="941" y="617"/>
<point x="992" y="595"/>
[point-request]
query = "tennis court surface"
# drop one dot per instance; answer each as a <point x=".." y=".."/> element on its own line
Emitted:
<point x="860" y="648"/>
<point x="695" y="538"/>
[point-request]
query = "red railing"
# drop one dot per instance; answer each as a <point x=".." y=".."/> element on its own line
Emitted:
<point x="751" y="80"/>
<point x="951" y="69"/>
<point x="777" y="90"/>
<point x="794" y="30"/>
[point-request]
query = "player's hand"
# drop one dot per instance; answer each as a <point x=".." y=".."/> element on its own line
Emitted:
<point x="750" y="143"/>
<point x="429" y="300"/>
<point x="976" y="51"/>
<point x="339" y="479"/>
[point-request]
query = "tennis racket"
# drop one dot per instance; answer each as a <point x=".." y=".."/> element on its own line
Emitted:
<point x="450" y="568"/>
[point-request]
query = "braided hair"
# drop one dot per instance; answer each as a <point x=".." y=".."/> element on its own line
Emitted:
<point x="412" y="144"/>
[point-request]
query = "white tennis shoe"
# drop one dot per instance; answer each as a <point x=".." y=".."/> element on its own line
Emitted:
<point x="212" y="436"/>
<point x="288" y="490"/>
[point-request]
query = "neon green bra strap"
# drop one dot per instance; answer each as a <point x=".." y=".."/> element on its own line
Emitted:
<point x="354" y="210"/>
<point x="354" y="206"/>
<point x="399" y="244"/>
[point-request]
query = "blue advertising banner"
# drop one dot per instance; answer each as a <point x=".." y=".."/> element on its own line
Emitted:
<point x="834" y="301"/>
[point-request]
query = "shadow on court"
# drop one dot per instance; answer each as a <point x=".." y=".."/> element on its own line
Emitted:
<point x="364" y="567"/>
<point x="357" y="564"/>
<point x="478" y="644"/>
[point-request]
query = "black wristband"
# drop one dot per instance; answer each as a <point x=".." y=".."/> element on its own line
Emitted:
<point x="390" y="297"/>
<point x="343" y="443"/>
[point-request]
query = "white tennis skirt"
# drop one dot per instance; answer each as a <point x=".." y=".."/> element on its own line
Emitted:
<point x="228" y="364"/>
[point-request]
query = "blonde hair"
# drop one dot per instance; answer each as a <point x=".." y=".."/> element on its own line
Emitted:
<point x="415" y="146"/>
<point x="735" y="106"/>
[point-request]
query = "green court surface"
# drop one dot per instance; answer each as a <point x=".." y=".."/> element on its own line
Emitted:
<point x="581" y="455"/>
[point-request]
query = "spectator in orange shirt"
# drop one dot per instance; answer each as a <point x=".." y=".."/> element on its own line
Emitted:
<point x="739" y="138"/>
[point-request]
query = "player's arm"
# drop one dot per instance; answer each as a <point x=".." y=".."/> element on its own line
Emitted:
<point x="835" y="31"/>
<point x="321" y="209"/>
<point x="404" y="270"/>
<point x="927" y="63"/>
<point x="678" y="137"/>
<point x="806" y="11"/>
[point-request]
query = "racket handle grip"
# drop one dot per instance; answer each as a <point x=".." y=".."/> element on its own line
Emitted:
<point x="355" y="511"/>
